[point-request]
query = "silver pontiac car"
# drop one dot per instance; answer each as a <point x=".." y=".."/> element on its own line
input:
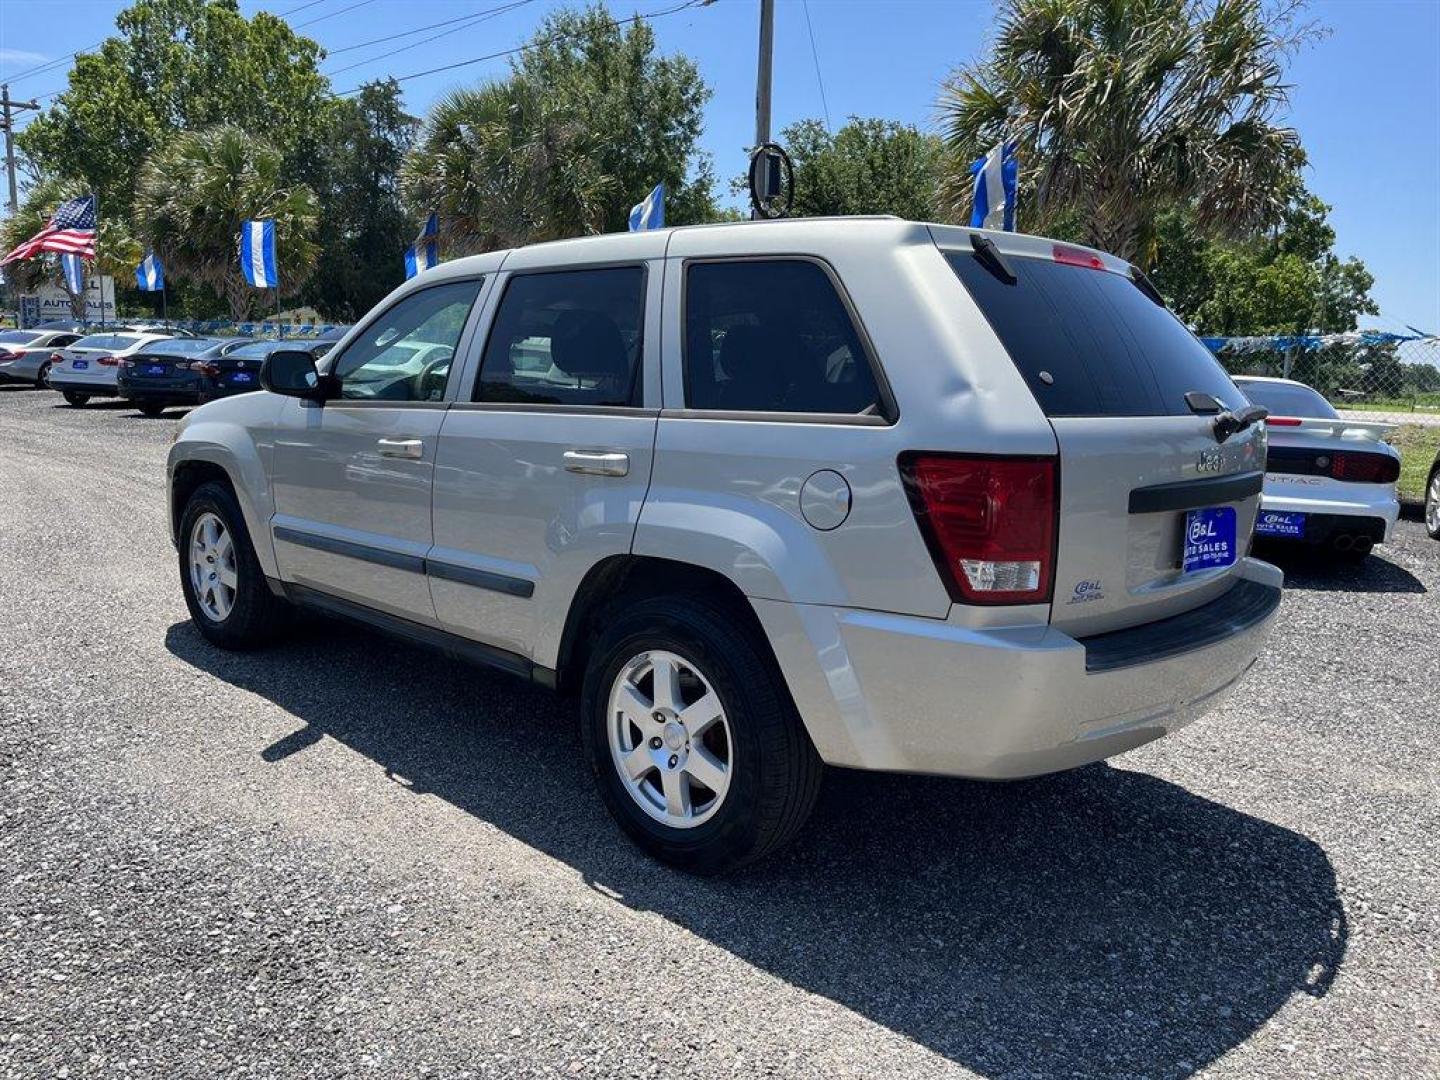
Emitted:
<point x="26" y="355"/>
<point x="762" y="496"/>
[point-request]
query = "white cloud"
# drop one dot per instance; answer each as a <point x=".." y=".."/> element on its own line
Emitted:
<point x="20" y="56"/>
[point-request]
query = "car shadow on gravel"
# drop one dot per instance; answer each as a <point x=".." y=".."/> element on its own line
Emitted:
<point x="1320" y="571"/>
<point x="1097" y="922"/>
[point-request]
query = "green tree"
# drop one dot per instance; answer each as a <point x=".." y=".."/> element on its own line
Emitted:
<point x="195" y="193"/>
<point x="1125" y="108"/>
<point x="363" y="230"/>
<point x="1289" y="281"/>
<point x="588" y="121"/>
<point x="176" y="65"/>
<point x="869" y="166"/>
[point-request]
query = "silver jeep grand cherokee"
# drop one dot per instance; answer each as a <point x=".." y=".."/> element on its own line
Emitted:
<point x="763" y="496"/>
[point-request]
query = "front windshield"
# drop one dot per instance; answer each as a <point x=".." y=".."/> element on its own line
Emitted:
<point x="1288" y="399"/>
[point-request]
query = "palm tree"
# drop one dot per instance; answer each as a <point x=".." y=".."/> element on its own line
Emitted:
<point x="196" y="191"/>
<point x="117" y="251"/>
<point x="1123" y="108"/>
<point x="504" y="168"/>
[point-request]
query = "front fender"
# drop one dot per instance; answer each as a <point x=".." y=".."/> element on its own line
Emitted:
<point x="236" y="434"/>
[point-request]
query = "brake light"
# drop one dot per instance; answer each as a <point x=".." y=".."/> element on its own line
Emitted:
<point x="1075" y="257"/>
<point x="6" y="356"/>
<point x="989" y="522"/>
<point x="1364" y="468"/>
<point x="205" y="367"/>
<point x="1283" y="421"/>
<point x="108" y="361"/>
<point x="56" y="358"/>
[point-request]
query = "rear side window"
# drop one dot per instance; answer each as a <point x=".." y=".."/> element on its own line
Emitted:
<point x="1090" y="343"/>
<point x="772" y="336"/>
<point x="567" y="338"/>
<point x="1285" y="399"/>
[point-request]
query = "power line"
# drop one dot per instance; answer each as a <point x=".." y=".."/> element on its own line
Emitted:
<point x="331" y="15"/>
<point x="475" y="20"/>
<point x="331" y="53"/>
<point x="816" y="54"/>
<point x="530" y="45"/>
<point x="302" y="7"/>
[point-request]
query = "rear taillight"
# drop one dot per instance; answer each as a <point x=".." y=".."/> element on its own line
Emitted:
<point x="7" y="356"/>
<point x="1364" y="468"/>
<point x="56" y="358"/>
<point x="205" y="367"/>
<point x="990" y="523"/>
<point x="108" y="361"/>
<point x="1283" y="421"/>
<point x="1076" y="257"/>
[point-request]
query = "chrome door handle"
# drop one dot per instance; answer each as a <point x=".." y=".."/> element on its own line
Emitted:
<point x="597" y="462"/>
<point x="402" y="448"/>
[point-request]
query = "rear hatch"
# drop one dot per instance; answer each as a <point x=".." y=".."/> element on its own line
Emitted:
<point x="1156" y="509"/>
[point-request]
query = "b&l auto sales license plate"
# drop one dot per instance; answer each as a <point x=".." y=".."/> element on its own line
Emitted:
<point x="1278" y="523"/>
<point x="1209" y="538"/>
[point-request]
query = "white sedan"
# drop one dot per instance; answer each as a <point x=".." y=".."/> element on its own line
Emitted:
<point x="1329" y="481"/>
<point x="89" y="367"/>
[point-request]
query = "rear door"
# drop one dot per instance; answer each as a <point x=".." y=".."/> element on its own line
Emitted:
<point x="1156" y="512"/>
<point x="541" y="473"/>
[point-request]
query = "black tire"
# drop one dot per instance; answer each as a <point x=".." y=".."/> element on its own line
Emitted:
<point x="151" y="409"/>
<point x="75" y="397"/>
<point x="42" y="377"/>
<point x="257" y="615"/>
<point x="1432" y="504"/>
<point x="777" y="772"/>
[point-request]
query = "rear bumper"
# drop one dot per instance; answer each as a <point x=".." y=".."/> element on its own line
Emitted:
<point x="93" y="387"/>
<point x="1370" y="510"/>
<point x="907" y="694"/>
<point x="176" y="395"/>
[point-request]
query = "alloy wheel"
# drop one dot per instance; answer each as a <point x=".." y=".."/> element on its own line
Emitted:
<point x="212" y="566"/>
<point x="670" y="739"/>
<point x="1432" y="504"/>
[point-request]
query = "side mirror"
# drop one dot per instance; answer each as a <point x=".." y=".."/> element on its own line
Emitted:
<point x="292" y="372"/>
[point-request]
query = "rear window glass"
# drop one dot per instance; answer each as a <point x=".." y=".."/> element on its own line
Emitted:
<point x="18" y="337"/>
<point x="259" y="350"/>
<point x="1283" y="399"/>
<point x="772" y="336"/>
<point x="181" y="346"/>
<point x="106" y="341"/>
<point x="1090" y="343"/>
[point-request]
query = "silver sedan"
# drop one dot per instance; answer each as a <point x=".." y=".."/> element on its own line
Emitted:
<point x="25" y="354"/>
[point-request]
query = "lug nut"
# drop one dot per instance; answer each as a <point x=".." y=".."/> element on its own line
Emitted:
<point x="674" y="759"/>
<point x="658" y="717"/>
<point x="655" y="743"/>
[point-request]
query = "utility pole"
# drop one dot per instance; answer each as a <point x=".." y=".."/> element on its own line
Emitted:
<point x="762" y="75"/>
<point x="11" y="107"/>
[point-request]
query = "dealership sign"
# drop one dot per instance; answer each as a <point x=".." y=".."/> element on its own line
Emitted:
<point x="52" y="302"/>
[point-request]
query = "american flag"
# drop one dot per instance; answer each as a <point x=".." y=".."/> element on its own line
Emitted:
<point x="70" y="231"/>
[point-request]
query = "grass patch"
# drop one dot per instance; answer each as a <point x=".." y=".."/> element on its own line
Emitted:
<point x="1419" y="402"/>
<point x="1417" y="444"/>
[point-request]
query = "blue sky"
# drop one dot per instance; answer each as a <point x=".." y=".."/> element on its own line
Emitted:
<point x="1366" y="99"/>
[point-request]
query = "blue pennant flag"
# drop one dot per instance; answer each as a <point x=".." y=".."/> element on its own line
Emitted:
<point x="257" y="253"/>
<point x="150" y="274"/>
<point x="425" y="252"/>
<point x="73" y="267"/>
<point x="997" y="175"/>
<point x="650" y="212"/>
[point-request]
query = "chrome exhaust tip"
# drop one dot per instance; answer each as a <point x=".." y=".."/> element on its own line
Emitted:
<point x="1363" y="544"/>
<point x="1343" y="542"/>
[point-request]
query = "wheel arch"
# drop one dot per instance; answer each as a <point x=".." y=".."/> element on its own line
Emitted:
<point x="626" y="579"/>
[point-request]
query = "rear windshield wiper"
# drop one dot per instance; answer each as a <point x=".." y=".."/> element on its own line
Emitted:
<point x="1232" y="423"/>
<point x="988" y="256"/>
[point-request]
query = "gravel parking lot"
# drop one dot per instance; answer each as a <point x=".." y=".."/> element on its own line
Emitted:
<point x="347" y="856"/>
